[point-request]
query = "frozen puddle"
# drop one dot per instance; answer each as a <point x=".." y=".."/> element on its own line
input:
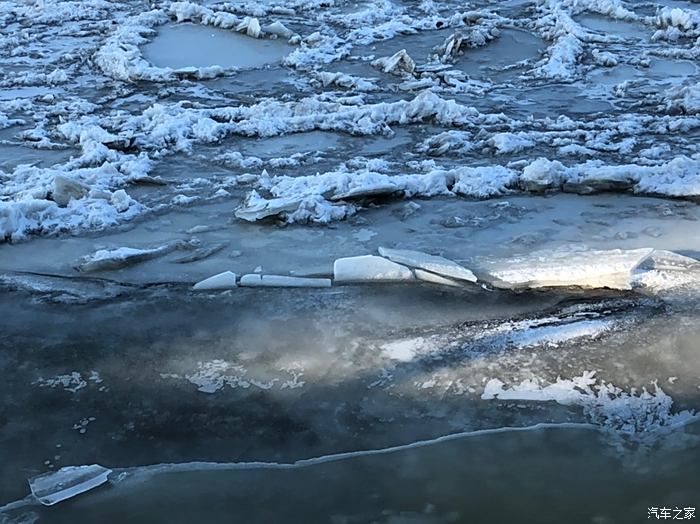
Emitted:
<point x="191" y="45"/>
<point x="510" y="48"/>
<point x="609" y="26"/>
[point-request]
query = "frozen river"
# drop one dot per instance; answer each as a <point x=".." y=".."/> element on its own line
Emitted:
<point x="533" y="357"/>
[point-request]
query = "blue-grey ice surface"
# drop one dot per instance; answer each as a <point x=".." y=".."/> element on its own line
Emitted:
<point x="548" y="148"/>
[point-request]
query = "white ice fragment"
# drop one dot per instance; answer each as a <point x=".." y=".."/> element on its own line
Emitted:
<point x="369" y="268"/>
<point x="366" y="191"/>
<point x="225" y="280"/>
<point x="56" y="486"/>
<point x="397" y="64"/>
<point x="432" y="263"/>
<point x="256" y="208"/>
<point x="251" y="27"/>
<point x="427" y="276"/>
<point x="66" y="189"/>
<point x="564" y="267"/>
<point x="278" y="29"/>
<point x="253" y="280"/>
<point x="110" y="259"/>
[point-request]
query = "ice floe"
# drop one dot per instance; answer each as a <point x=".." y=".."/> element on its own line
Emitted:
<point x="430" y="263"/>
<point x="68" y="482"/>
<point x="111" y="259"/>
<point x="564" y="267"/>
<point x="254" y="280"/>
<point x="369" y="268"/>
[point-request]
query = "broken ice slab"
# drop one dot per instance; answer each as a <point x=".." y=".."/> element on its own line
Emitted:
<point x="256" y="208"/>
<point x="56" y="486"/>
<point x="396" y="64"/>
<point x="668" y="274"/>
<point x="225" y="280"/>
<point x="253" y="280"/>
<point x="365" y="192"/>
<point x="670" y="260"/>
<point x="570" y="267"/>
<point x="109" y="259"/>
<point x="432" y="263"/>
<point x="427" y="276"/>
<point x="369" y="268"/>
<point x="278" y="29"/>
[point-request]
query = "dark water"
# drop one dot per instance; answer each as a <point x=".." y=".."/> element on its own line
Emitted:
<point x="545" y="475"/>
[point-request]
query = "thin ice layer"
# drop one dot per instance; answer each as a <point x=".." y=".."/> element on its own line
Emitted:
<point x="566" y="267"/>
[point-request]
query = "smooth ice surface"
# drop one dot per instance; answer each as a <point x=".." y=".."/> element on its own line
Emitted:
<point x="570" y="266"/>
<point x="433" y="278"/>
<point x="369" y="268"/>
<point x="190" y="45"/>
<point x="225" y="280"/>
<point x="56" y="486"/>
<point x="253" y="280"/>
<point x="432" y="263"/>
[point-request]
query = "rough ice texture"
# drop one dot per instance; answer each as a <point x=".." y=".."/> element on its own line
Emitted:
<point x="431" y="263"/>
<point x="604" y="404"/>
<point x="369" y="268"/>
<point x="566" y="267"/>
<point x="118" y="135"/>
<point x="225" y="280"/>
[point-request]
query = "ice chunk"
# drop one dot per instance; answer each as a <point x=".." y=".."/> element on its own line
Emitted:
<point x="366" y="191"/>
<point x="250" y="26"/>
<point x="397" y="64"/>
<point x="110" y="259"/>
<point x="252" y="280"/>
<point x="56" y="486"/>
<point x="225" y="280"/>
<point x="564" y="267"/>
<point x="278" y="29"/>
<point x="66" y="189"/>
<point x="427" y="276"/>
<point x="432" y="263"/>
<point x="369" y="268"/>
<point x="256" y="208"/>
